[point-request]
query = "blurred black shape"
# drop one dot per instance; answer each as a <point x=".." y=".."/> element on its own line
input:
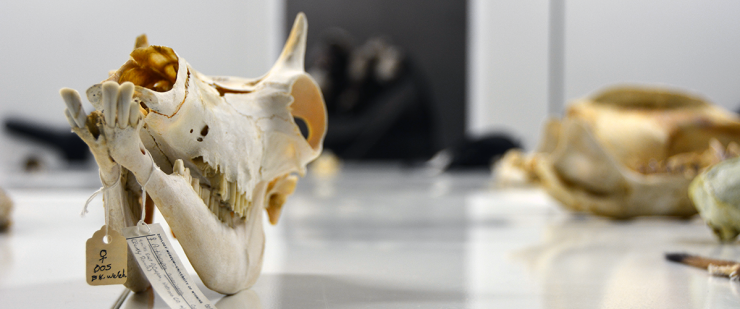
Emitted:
<point x="432" y="37"/>
<point x="71" y="147"/>
<point x="378" y="102"/>
<point x="481" y="152"/>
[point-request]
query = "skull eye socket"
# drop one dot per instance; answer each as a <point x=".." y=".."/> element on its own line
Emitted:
<point x="301" y="126"/>
<point x="308" y="106"/>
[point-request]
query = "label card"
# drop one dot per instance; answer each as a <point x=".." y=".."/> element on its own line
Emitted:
<point x="163" y="268"/>
<point x="106" y="262"/>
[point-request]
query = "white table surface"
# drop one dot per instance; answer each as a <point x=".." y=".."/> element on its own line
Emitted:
<point x="385" y="237"/>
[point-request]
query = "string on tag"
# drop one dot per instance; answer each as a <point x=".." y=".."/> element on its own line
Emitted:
<point x="104" y="188"/>
<point x="141" y="222"/>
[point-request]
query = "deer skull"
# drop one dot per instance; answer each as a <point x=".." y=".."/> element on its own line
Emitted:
<point x="223" y="149"/>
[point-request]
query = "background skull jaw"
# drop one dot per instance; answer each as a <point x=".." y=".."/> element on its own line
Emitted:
<point x="628" y="199"/>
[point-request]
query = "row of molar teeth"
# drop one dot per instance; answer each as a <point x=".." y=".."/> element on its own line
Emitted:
<point x="232" y="198"/>
<point x="691" y="164"/>
<point x="688" y="167"/>
<point x="223" y="199"/>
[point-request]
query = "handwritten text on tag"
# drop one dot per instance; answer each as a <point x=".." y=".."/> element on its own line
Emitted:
<point x="106" y="262"/>
<point x="163" y="268"/>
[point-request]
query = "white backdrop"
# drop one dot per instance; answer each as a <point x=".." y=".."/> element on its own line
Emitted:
<point x="683" y="43"/>
<point x="507" y="67"/>
<point x="689" y="44"/>
<point x="47" y="45"/>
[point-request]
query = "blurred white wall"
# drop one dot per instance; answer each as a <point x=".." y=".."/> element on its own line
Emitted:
<point x="507" y="67"/>
<point x="688" y="44"/>
<point x="47" y="45"/>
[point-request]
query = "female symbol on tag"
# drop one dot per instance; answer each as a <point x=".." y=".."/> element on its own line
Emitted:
<point x="107" y="261"/>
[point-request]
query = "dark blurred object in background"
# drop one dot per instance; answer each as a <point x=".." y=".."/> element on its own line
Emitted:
<point x="72" y="148"/>
<point x="378" y="102"/>
<point x="473" y="153"/>
<point x="481" y="152"/>
<point x="394" y="79"/>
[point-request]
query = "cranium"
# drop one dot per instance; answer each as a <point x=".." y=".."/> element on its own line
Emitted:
<point x="630" y="152"/>
<point x="716" y="194"/>
<point x="224" y="148"/>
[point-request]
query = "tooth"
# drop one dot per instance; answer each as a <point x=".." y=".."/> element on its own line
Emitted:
<point x="233" y="193"/>
<point x="195" y="183"/>
<point x="179" y="167"/>
<point x="206" y="196"/>
<point x="224" y="187"/>
<point x="222" y="213"/>
<point x="235" y="205"/>
<point x="245" y="206"/>
<point x="215" y="204"/>
<point x="210" y="201"/>
<point x="207" y="199"/>
<point x="238" y="208"/>
<point x="187" y="174"/>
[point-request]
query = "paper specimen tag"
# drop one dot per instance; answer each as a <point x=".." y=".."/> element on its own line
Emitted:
<point x="163" y="268"/>
<point x="106" y="262"/>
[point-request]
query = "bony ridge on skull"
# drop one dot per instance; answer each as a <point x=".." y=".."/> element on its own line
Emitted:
<point x="212" y="152"/>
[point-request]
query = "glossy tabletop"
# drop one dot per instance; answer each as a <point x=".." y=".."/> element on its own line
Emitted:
<point x="392" y="237"/>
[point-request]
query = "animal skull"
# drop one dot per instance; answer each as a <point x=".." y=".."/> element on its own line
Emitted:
<point x="224" y="148"/>
<point x="630" y="152"/>
<point x="716" y="194"/>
